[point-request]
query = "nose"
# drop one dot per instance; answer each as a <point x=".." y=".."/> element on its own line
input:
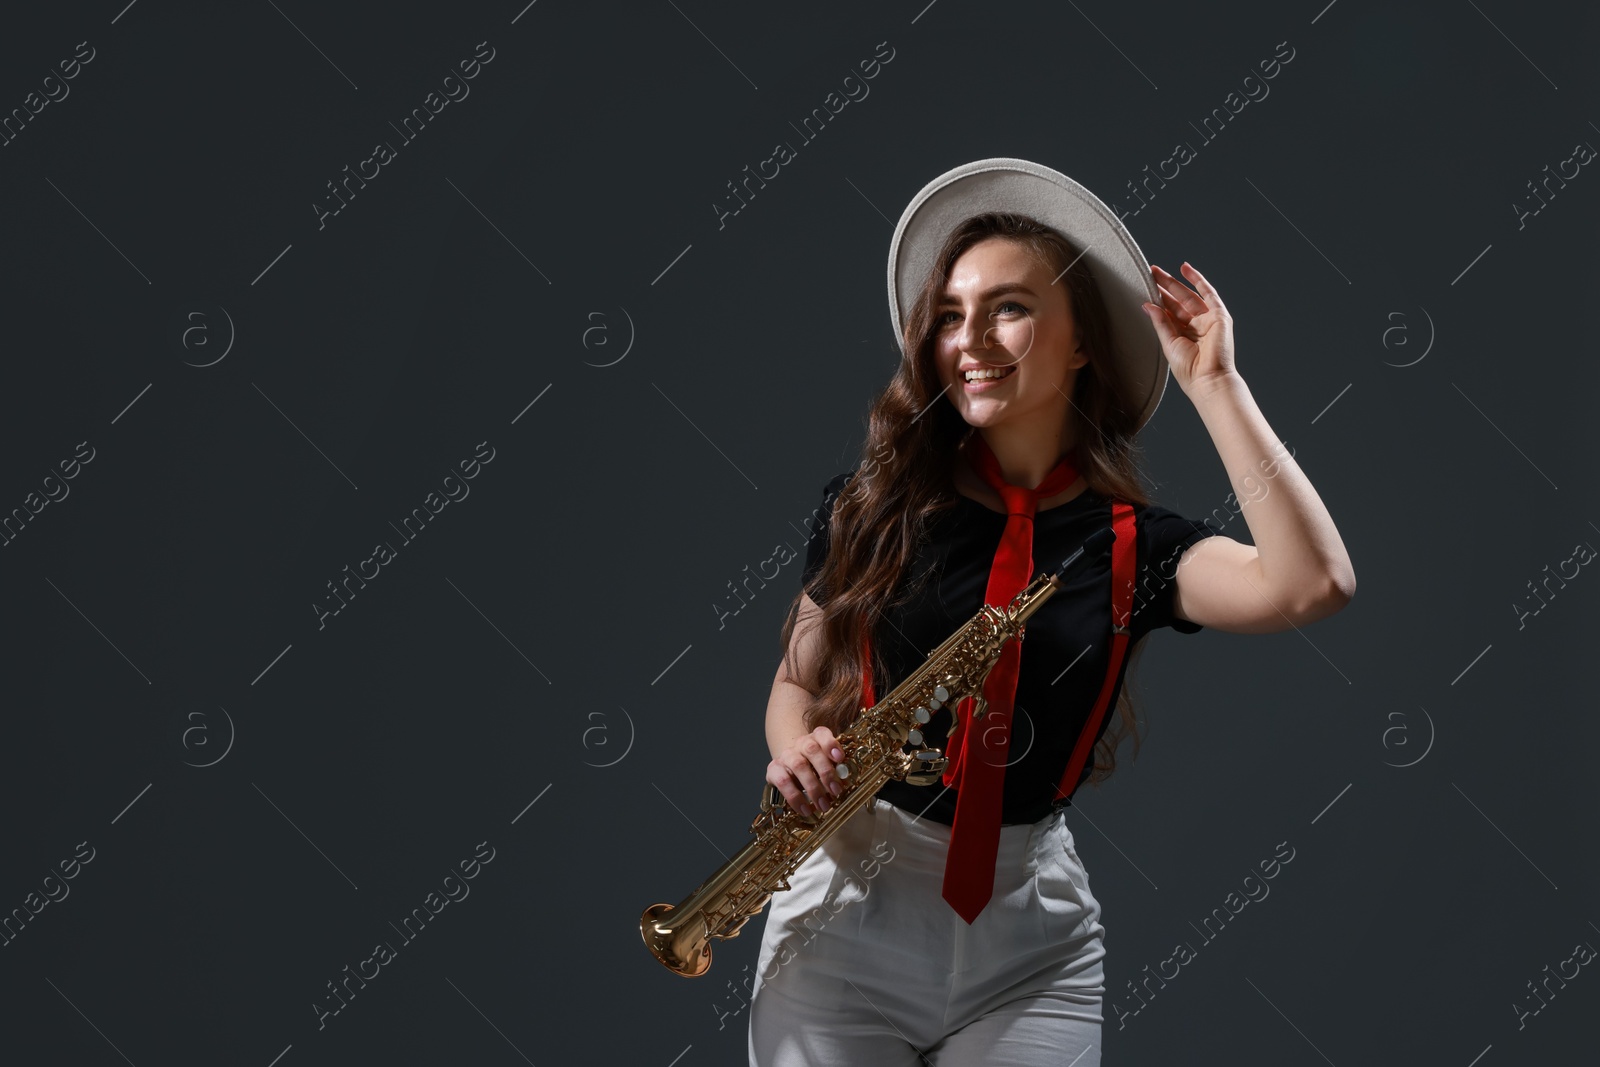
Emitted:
<point x="974" y="334"/>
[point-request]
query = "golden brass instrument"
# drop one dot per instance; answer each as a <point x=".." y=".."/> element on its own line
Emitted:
<point x="874" y="753"/>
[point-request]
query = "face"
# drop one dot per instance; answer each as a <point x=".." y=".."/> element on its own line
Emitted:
<point x="1001" y="313"/>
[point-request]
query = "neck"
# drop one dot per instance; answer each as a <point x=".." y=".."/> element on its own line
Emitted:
<point x="1027" y="454"/>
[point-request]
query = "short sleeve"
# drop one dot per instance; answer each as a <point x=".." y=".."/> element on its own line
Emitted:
<point x="1163" y="537"/>
<point x="818" y="523"/>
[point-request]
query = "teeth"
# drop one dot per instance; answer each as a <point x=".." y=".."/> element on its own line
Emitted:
<point x="985" y="375"/>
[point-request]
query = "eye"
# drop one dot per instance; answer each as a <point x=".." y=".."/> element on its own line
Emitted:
<point x="945" y="320"/>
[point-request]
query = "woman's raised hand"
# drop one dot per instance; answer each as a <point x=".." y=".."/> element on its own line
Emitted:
<point x="1195" y="328"/>
<point x="804" y="771"/>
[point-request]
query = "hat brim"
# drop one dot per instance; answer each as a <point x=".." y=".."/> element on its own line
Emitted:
<point x="1017" y="185"/>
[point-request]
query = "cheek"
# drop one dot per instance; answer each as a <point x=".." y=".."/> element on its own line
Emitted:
<point x="1022" y="338"/>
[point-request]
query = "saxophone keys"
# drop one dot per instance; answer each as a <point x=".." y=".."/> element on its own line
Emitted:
<point x="922" y="715"/>
<point x="914" y="737"/>
<point x="929" y="767"/>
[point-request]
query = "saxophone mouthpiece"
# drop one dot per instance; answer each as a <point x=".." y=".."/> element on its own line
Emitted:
<point x="1096" y="544"/>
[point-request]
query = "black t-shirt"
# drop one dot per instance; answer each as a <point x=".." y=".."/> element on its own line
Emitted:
<point x="1067" y="647"/>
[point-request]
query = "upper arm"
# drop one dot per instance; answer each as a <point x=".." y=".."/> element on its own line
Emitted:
<point x="806" y="640"/>
<point x="804" y="646"/>
<point x="1219" y="584"/>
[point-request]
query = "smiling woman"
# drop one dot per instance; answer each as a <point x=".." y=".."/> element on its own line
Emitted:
<point x="1037" y="342"/>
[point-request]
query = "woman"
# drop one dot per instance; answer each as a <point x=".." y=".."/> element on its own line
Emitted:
<point x="952" y="923"/>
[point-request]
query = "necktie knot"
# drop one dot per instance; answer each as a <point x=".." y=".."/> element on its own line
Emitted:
<point x="1019" y="501"/>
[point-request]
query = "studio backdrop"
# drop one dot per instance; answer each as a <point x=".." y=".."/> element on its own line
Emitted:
<point x="414" y="418"/>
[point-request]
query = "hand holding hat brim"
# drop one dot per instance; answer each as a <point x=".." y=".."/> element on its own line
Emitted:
<point x="1195" y="328"/>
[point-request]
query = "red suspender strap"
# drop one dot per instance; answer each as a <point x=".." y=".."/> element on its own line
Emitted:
<point x="868" y="697"/>
<point x="1122" y="564"/>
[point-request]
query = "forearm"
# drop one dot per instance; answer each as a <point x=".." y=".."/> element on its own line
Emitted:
<point x="785" y="715"/>
<point x="1301" y="553"/>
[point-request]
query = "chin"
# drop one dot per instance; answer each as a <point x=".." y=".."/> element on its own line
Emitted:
<point x="982" y="418"/>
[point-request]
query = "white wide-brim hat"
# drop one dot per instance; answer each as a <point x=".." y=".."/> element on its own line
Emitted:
<point x="1016" y="185"/>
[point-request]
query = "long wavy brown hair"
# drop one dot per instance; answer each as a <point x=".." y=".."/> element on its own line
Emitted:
<point x="905" y="477"/>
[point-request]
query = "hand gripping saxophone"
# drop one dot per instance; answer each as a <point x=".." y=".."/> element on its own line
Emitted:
<point x="875" y="751"/>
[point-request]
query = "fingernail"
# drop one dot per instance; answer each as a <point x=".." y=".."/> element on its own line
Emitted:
<point x="835" y="788"/>
<point x="822" y="805"/>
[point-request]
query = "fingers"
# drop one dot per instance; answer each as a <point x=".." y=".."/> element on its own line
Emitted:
<point x="831" y="755"/>
<point x="1174" y="305"/>
<point x="1176" y="285"/>
<point x="815" y="768"/>
<point x="1180" y="299"/>
<point x="1161" y="321"/>
<point x="783" y="781"/>
<point x="805" y="772"/>
<point x="1206" y="288"/>
<point x="1209" y="298"/>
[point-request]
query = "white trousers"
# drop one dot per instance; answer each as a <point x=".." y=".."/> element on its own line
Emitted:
<point x="863" y="962"/>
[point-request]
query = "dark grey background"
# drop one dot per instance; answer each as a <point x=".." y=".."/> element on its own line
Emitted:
<point x="543" y="668"/>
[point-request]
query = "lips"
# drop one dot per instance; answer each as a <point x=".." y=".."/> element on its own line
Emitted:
<point x="1005" y="372"/>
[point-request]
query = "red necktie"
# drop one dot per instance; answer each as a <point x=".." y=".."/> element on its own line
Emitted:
<point x="979" y="765"/>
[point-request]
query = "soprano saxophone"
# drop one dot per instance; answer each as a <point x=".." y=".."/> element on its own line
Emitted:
<point x="875" y="752"/>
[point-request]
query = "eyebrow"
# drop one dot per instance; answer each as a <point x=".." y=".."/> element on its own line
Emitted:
<point x="988" y="294"/>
